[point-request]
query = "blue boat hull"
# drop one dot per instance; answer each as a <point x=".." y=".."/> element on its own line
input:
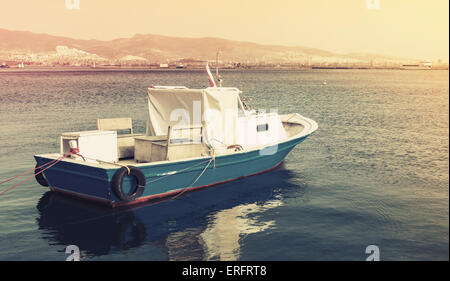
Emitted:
<point x="165" y="179"/>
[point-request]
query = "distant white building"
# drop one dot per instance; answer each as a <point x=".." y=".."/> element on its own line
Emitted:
<point x="66" y="51"/>
<point x="62" y="49"/>
<point x="133" y="58"/>
<point x="427" y="64"/>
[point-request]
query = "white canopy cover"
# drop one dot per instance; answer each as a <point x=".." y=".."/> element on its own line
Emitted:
<point x="214" y="108"/>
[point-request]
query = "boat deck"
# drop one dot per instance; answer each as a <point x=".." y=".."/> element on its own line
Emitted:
<point x="295" y="126"/>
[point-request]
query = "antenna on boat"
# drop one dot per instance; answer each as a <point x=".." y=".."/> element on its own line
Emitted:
<point x="219" y="80"/>
<point x="212" y="81"/>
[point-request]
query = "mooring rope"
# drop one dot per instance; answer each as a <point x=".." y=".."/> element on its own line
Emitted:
<point x="186" y="188"/>
<point x="57" y="160"/>
<point x="176" y="172"/>
<point x="54" y="162"/>
<point x="29" y="171"/>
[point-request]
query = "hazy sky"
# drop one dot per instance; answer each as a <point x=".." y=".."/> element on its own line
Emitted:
<point x="407" y="28"/>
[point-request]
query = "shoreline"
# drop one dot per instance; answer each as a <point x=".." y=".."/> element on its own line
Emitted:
<point x="173" y="69"/>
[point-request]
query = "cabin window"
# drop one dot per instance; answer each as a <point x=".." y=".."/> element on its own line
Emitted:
<point x="262" y="127"/>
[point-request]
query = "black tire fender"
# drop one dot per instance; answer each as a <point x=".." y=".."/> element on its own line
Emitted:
<point x="39" y="176"/>
<point x="136" y="191"/>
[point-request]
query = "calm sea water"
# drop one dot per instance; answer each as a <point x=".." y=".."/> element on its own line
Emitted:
<point x="375" y="173"/>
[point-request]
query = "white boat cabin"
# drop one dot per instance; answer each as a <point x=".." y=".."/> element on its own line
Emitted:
<point x="218" y="111"/>
<point x="186" y="123"/>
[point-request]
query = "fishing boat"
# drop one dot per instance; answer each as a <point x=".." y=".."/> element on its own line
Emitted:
<point x="195" y="138"/>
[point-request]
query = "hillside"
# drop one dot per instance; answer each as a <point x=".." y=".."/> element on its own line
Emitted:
<point x="158" y="48"/>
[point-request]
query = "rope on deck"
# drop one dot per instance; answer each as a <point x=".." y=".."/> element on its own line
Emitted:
<point x="112" y="163"/>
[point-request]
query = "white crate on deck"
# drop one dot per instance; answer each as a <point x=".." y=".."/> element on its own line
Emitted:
<point x="93" y="145"/>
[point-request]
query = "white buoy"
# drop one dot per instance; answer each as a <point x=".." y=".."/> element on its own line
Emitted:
<point x="73" y="144"/>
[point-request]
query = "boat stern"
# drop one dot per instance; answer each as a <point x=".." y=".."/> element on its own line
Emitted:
<point x="79" y="179"/>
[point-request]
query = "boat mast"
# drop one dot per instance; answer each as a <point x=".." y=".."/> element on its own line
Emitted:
<point x="219" y="80"/>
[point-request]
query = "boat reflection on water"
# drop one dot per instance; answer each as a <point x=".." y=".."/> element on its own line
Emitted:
<point x="203" y="225"/>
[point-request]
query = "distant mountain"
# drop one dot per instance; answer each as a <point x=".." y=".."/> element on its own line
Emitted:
<point x="158" y="48"/>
